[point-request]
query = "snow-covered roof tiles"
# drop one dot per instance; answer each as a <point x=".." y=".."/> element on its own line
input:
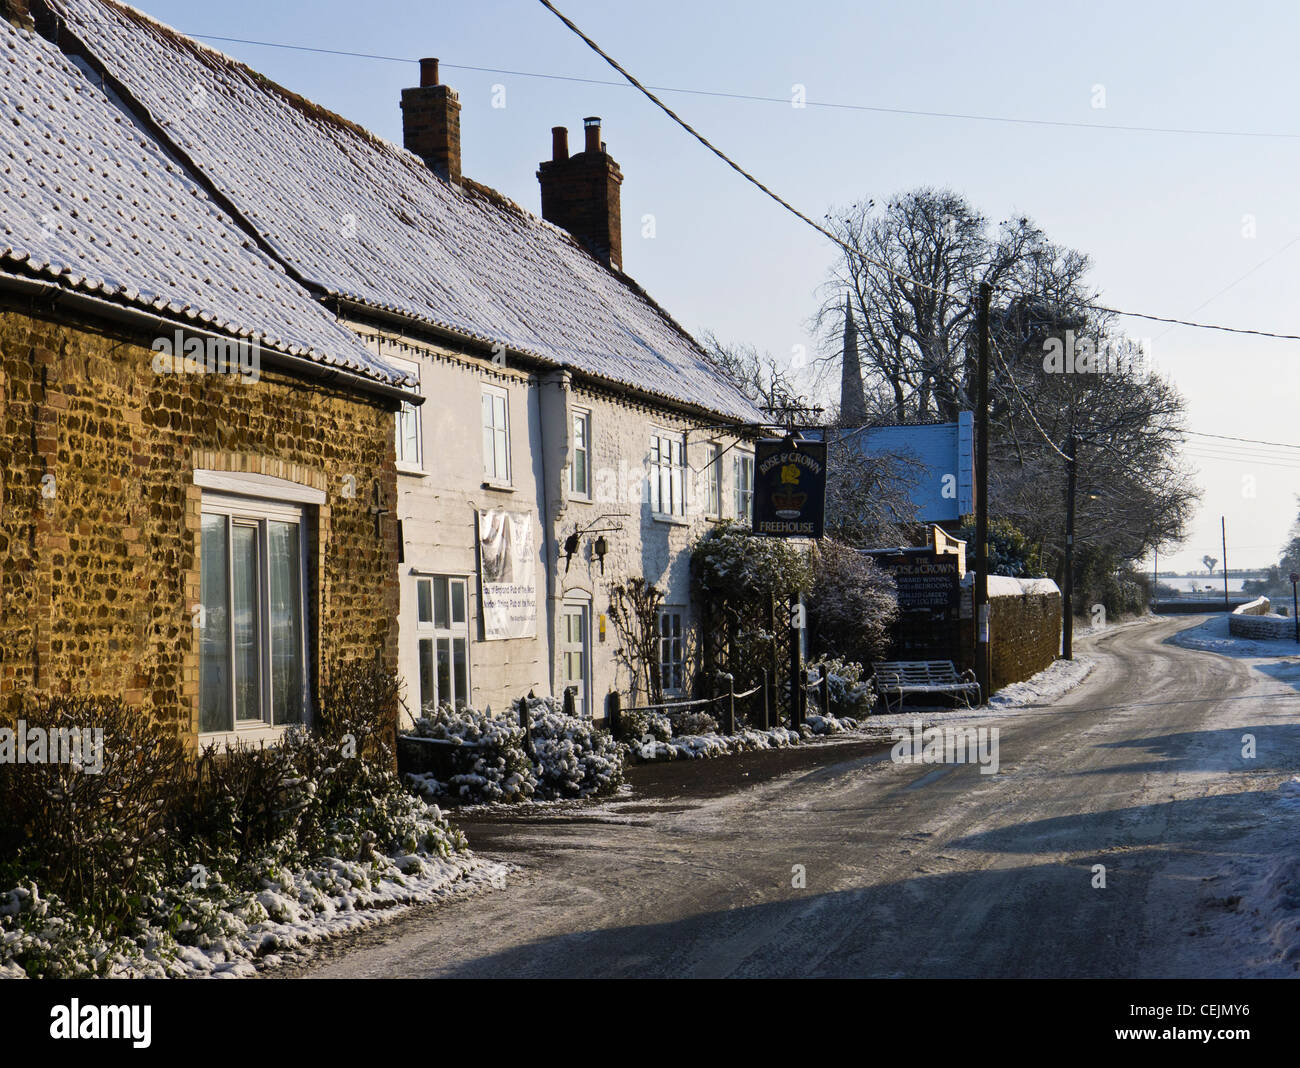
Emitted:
<point x="92" y="204"/>
<point x="367" y="221"/>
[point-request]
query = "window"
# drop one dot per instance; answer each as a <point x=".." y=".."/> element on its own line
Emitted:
<point x="496" y="435"/>
<point x="580" y="465"/>
<point x="408" y="422"/>
<point x="252" y="643"/>
<point x="744" y="472"/>
<point x="713" y="482"/>
<point x="442" y="634"/>
<point x="672" y="654"/>
<point x="667" y="474"/>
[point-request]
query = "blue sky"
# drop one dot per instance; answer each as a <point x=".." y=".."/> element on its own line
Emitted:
<point x="1161" y="215"/>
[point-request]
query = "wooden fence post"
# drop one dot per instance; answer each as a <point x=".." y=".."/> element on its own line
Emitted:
<point x="526" y="721"/>
<point x="801" y="700"/>
<point x="614" y="714"/>
<point x="765" y="695"/>
<point x="729" y="722"/>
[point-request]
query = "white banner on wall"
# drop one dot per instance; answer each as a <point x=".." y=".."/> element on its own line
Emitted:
<point x="507" y="583"/>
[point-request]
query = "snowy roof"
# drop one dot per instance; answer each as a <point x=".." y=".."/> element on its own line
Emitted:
<point x="92" y="204"/>
<point x="369" y="222"/>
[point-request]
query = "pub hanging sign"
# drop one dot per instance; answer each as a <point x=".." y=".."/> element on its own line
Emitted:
<point x="789" y="488"/>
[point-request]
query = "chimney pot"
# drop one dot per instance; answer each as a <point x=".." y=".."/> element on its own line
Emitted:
<point x="431" y="122"/>
<point x="559" y="143"/>
<point x="580" y="193"/>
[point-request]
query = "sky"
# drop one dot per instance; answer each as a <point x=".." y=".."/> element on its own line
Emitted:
<point x="1186" y="225"/>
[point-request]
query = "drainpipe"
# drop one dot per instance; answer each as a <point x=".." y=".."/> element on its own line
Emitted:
<point x="553" y="429"/>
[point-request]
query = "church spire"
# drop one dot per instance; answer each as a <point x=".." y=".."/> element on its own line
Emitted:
<point x="853" y="405"/>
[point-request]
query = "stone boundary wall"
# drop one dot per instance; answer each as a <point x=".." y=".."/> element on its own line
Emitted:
<point x="1024" y="628"/>
<point x="1256" y="620"/>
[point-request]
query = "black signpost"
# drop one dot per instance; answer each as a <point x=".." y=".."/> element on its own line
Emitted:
<point x="1295" y="603"/>
<point x="789" y="487"/>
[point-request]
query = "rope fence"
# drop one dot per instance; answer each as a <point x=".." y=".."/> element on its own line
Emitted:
<point x="763" y="704"/>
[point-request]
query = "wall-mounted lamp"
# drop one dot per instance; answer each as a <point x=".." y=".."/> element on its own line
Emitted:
<point x="600" y="546"/>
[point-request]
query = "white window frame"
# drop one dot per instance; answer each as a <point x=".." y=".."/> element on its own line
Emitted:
<point x="259" y="511"/>
<point x="667" y="473"/>
<point x="666" y="644"/>
<point x="501" y="433"/>
<point x="744" y="487"/>
<point x="713" y="489"/>
<point x="581" y="417"/>
<point x="403" y="418"/>
<point x="452" y="632"/>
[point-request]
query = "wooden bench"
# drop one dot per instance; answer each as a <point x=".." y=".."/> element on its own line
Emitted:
<point x="899" y="678"/>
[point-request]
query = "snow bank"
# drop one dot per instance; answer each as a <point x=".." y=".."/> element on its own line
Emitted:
<point x="216" y="934"/>
<point x="1053" y="682"/>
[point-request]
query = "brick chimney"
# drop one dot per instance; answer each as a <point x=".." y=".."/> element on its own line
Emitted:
<point x="18" y="12"/>
<point x="431" y="122"/>
<point x="580" y="193"/>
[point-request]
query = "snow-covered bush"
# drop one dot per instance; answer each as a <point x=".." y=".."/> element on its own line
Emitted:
<point x="697" y="723"/>
<point x="847" y="694"/>
<point x="574" y="757"/>
<point x="639" y="724"/>
<point x="91" y="835"/>
<point x="206" y="853"/>
<point x="497" y="760"/>
<point x="736" y="574"/>
<point x="852" y="603"/>
<point x="704" y="746"/>
<point x="489" y="761"/>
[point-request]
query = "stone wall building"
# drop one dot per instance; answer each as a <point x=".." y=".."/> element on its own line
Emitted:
<point x="561" y="404"/>
<point x="181" y="429"/>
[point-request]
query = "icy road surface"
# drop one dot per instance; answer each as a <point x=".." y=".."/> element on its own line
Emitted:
<point x="918" y="870"/>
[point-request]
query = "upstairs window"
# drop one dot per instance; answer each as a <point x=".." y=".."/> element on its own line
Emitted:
<point x="580" y="465"/>
<point x="713" y="482"/>
<point x="408" y="423"/>
<point x="667" y="474"/>
<point x="744" y="482"/>
<point x="496" y="435"/>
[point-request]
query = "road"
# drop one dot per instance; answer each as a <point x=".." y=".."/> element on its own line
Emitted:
<point x="910" y="870"/>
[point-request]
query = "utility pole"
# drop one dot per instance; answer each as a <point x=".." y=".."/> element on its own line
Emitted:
<point x="1067" y="595"/>
<point x="980" y="592"/>
<point x="1155" y="579"/>
<point x="1223" y="525"/>
<point x="1295" y="604"/>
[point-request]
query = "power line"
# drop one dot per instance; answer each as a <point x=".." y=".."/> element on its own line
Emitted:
<point x="722" y="94"/>
<point x="1252" y="441"/>
<point x="842" y="244"/>
<point x="732" y="163"/>
<point x="649" y="93"/>
<point x="1244" y="461"/>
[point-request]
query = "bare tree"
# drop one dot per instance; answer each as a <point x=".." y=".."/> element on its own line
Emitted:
<point x="910" y="273"/>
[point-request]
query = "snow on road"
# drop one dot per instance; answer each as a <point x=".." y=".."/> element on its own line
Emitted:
<point x="844" y="863"/>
